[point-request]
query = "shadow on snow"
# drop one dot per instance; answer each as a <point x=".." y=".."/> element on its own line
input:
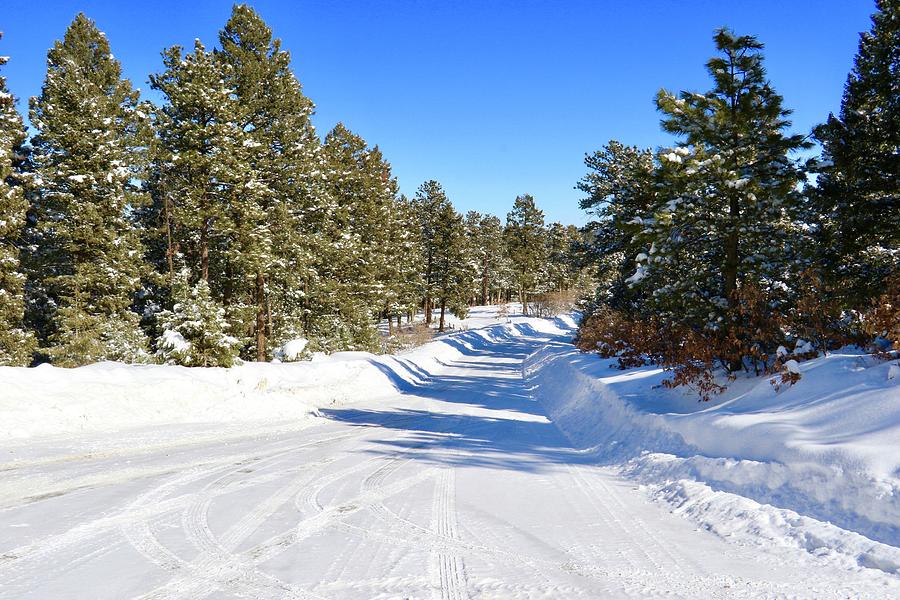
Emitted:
<point x="518" y="437"/>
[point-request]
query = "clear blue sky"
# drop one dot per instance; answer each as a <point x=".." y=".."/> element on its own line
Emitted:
<point x="493" y="98"/>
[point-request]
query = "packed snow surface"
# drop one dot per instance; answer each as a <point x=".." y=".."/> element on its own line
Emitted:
<point x="494" y="462"/>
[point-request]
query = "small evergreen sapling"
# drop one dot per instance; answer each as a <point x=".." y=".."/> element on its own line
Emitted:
<point x="195" y="331"/>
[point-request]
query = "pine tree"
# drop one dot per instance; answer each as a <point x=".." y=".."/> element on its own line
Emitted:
<point x="525" y="242"/>
<point x="429" y="202"/>
<point x="89" y="150"/>
<point x="405" y="251"/>
<point x="858" y="193"/>
<point x="453" y="273"/>
<point x="199" y="173"/>
<point x="280" y="195"/>
<point x="490" y="263"/>
<point x="16" y="344"/>
<point x="559" y="270"/>
<point x="365" y="194"/>
<point x="476" y="256"/>
<point x="727" y="205"/>
<point x="620" y="189"/>
<point x="195" y="330"/>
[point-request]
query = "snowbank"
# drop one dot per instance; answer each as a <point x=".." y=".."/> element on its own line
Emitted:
<point x="110" y="396"/>
<point x="815" y="465"/>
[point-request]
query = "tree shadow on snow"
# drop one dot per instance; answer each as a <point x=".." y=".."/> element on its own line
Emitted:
<point x="489" y="420"/>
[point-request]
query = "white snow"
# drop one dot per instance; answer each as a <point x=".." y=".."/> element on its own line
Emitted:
<point x="292" y="350"/>
<point x="493" y="462"/>
<point x="792" y="366"/>
<point x="823" y="451"/>
<point x="110" y="396"/>
<point x="672" y="157"/>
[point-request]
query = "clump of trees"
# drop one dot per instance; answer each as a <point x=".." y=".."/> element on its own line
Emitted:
<point x="218" y="225"/>
<point x="717" y="254"/>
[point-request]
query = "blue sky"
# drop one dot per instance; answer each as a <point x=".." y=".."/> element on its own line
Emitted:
<point x="492" y="98"/>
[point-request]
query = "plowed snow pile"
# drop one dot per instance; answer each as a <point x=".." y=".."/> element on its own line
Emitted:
<point x="815" y="465"/>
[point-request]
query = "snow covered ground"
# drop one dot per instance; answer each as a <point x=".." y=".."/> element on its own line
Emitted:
<point x="494" y="462"/>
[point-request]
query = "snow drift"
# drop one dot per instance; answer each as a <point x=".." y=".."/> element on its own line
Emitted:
<point x="814" y="465"/>
<point x="111" y="396"/>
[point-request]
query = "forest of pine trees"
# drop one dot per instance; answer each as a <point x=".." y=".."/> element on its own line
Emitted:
<point x="218" y="225"/>
<point x="725" y="250"/>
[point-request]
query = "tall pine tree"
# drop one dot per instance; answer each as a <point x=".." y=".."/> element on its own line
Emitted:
<point x="280" y="194"/>
<point x="429" y="203"/>
<point x="620" y="188"/>
<point x="89" y="157"/>
<point x="525" y="243"/>
<point x="858" y="195"/>
<point x="453" y="274"/>
<point x="488" y="254"/>
<point x="199" y="174"/>
<point x="16" y="344"/>
<point x="728" y="202"/>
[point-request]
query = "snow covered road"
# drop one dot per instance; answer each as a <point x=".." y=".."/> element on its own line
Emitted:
<point x="457" y="486"/>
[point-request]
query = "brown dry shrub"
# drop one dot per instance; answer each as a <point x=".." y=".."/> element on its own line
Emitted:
<point x="883" y="318"/>
<point x="817" y="315"/>
<point x="407" y="336"/>
<point x="747" y="340"/>
<point x="550" y="304"/>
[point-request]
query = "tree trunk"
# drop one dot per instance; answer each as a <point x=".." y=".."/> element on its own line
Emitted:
<point x="524" y="302"/>
<point x="428" y="275"/>
<point x="170" y="249"/>
<point x="204" y="251"/>
<point x="390" y="320"/>
<point x="484" y="283"/>
<point x="260" y="317"/>
<point x="730" y="271"/>
<point x="443" y="311"/>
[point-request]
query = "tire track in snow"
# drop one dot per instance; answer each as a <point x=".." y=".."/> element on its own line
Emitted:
<point x="677" y="559"/>
<point x="451" y="569"/>
<point x="329" y="516"/>
<point x="217" y="564"/>
<point x="240" y="573"/>
<point x="101" y="536"/>
<point x="104" y="535"/>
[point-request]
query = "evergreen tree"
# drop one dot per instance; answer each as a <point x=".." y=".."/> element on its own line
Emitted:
<point x="429" y="203"/>
<point x="200" y="172"/>
<point x="488" y="255"/>
<point x="89" y="155"/>
<point x="525" y="243"/>
<point x="404" y="279"/>
<point x="858" y="194"/>
<point x="365" y="195"/>
<point x="727" y="205"/>
<point x="560" y="269"/>
<point x="279" y="202"/>
<point x="453" y="274"/>
<point x="620" y="189"/>
<point x="194" y="331"/>
<point x="16" y="344"/>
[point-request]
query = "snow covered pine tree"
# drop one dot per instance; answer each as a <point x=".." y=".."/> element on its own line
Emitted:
<point x="16" y="344"/>
<point x="89" y="155"/>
